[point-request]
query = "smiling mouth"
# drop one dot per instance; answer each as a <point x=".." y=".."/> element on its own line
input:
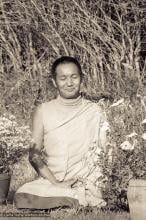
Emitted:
<point x="70" y="90"/>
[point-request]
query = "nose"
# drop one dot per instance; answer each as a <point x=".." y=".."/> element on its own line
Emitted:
<point x="69" y="81"/>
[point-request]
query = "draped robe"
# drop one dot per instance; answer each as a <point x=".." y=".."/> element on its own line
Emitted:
<point x="70" y="129"/>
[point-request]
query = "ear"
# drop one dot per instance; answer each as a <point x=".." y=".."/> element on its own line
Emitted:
<point x="54" y="83"/>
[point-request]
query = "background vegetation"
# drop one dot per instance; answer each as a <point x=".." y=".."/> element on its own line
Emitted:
<point x="106" y="38"/>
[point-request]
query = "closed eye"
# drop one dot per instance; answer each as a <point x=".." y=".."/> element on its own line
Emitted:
<point x="62" y="78"/>
<point x="75" y="76"/>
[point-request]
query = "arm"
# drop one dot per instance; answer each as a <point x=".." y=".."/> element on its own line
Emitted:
<point x="35" y="151"/>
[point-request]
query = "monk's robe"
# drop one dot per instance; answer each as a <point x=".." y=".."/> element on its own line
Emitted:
<point x="71" y="126"/>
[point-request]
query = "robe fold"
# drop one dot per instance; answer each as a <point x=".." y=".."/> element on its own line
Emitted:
<point x="70" y="129"/>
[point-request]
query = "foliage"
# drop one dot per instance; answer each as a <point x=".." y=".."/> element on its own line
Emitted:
<point x="125" y="164"/>
<point x="126" y="150"/>
<point x="105" y="36"/>
<point x="14" y="141"/>
<point x="124" y="157"/>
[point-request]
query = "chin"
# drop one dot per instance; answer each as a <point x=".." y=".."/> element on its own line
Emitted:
<point x="70" y="96"/>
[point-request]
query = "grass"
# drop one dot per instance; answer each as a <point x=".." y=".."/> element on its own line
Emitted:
<point x="63" y="213"/>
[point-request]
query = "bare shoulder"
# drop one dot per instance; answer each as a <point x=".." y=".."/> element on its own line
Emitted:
<point x="37" y="110"/>
<point x="48" y="104"/>
<point x="45" y="105"/>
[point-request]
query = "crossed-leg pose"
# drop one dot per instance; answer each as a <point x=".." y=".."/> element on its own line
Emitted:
<point x="63" y="129"/>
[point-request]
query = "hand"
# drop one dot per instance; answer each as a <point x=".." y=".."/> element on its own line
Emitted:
<point x="66" y="184"/>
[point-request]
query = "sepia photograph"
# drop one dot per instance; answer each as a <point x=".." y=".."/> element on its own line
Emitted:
<point x="73" y="109"/>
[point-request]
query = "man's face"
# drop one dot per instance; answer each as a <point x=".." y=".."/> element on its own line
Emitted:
<point x="68" y="80"/>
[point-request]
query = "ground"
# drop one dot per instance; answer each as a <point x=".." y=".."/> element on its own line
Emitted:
<point x="10" y="212"/>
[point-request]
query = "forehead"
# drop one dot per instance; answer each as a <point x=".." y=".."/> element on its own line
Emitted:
<point x="66" y="69"/>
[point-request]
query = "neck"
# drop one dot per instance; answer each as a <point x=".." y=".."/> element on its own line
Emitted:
<point x="69" y="102"/>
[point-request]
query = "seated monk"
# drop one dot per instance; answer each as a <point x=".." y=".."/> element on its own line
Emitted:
<point x="63" y="129"/>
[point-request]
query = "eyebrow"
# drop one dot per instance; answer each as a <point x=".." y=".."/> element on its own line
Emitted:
<point x="67" y="74"/>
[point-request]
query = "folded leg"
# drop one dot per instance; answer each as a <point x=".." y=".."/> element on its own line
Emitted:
<point x="28" y="201"/>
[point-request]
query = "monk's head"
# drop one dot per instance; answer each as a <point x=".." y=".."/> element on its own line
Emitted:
<point x="67" y="76"/>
